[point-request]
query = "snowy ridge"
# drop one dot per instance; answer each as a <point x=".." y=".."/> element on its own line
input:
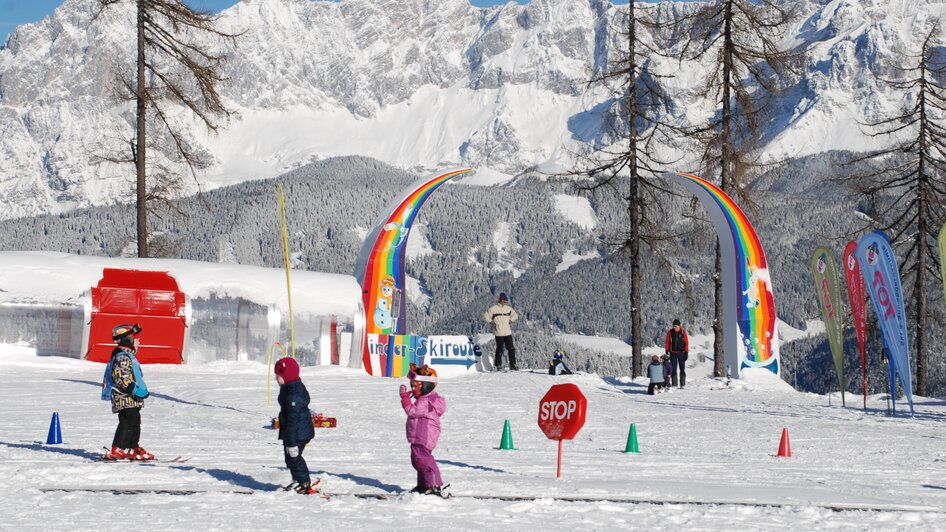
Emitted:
<point x="414" y="83"/>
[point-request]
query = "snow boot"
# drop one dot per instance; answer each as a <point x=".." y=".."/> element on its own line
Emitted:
<point x="139" y="453"/>
<point x="307" y="488"/>
<point x="438" y="491"/>
<point x="292" y="486"/>
<point x="116" y="454"/>
<point x="418" y="489"/>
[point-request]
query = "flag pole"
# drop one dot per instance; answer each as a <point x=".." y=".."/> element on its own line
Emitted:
<point x="285" y="256"/>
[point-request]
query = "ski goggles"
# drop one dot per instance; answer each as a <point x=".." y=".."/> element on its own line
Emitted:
<point x="414" y="376"/>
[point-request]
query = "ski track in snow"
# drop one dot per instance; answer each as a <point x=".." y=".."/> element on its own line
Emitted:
<point x="706" y="463"/>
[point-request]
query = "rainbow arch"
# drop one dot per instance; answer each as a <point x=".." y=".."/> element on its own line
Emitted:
<point x="751" y="332"/>
<point x="380" y="264"/>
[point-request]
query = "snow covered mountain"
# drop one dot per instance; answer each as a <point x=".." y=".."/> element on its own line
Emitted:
<point x="414" y="83"/>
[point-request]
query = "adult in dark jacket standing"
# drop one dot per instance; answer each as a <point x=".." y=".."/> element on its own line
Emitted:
<point x="295" y="423"/>
<point x="678" y="347"/>
<point x="501" y="315"/>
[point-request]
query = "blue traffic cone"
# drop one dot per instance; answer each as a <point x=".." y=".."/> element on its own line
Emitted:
<point x="55" y="433"/>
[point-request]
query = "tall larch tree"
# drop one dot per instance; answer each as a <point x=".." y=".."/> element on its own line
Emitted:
<point x="627" y="166"/>
<point x="740" y="44"/>
<point x="173" y="71"/>
<point x="907" y="187"/>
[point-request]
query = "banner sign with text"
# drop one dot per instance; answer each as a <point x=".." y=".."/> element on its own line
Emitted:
<point x="391" y="355"/>
<point x="882" y="278"/>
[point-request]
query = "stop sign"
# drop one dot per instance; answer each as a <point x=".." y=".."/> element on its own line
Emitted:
<point x="562" y="412"/>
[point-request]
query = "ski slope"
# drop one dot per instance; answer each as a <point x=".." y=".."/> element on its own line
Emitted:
<point x="706" y="463"/>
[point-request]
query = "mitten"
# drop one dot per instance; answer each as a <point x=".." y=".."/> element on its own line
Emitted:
<point x="404" y="392"/>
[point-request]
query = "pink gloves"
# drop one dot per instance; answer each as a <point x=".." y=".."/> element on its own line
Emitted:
<point x="404" y="392"/>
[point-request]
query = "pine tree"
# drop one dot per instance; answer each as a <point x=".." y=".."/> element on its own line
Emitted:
<point x="907" y="189"/>
<point x="627" y="167"/>
<point x="740" y="40"/>
<point x="171" y="70"/>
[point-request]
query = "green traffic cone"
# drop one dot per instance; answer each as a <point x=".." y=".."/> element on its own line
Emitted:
<point x="631" y="446"/>
<point x="506" y="443"/>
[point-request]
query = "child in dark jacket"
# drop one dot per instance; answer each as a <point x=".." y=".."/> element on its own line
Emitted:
<point x="668" y="371"/>
<point x="295" y="424"/>
<point x="557" y="364"/>
<point x="423" y="427"/>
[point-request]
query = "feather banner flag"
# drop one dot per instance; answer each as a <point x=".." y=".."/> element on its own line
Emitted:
<point x="824" y="271"/>
<point x="882" y="277"/>
<point x="856" y="295"/>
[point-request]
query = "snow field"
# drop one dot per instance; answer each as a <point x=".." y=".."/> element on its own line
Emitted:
<point x="706" y="463"/>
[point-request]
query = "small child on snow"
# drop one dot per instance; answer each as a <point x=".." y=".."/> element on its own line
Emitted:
<point x="557" y="364"/>
<point x="668" y="371"/>
<point x="295" y="424"/>
<point x="423" y="427"/>
<point x="656" y="373"/>
<point x="124" y="385"/>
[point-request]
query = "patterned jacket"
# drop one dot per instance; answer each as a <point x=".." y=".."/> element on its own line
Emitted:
<point x="123" y="387"/>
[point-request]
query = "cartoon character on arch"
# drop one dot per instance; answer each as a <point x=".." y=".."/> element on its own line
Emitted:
<point x="382" y="312"/>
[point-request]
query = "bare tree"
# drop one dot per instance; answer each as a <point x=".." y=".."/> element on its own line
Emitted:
<point x="172" y="72"/>
<point x="630" y="170"/>
<point x="907" y="189"/>
<point x="747" y="68"/>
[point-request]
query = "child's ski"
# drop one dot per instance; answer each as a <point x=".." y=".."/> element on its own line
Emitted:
<point x="158" y="490"/>
<point x="383" y="496"/>
<point x="176" y="460"/>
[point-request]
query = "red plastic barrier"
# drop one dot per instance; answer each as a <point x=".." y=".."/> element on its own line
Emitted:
<point x="150" y="299"/>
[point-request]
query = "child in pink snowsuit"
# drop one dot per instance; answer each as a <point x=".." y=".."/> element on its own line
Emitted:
<point x="423" y="427"/>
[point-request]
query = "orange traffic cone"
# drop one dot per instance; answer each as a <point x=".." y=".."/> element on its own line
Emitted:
<point x="784" y="447"/>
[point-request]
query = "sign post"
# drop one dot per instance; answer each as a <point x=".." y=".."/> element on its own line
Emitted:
<point x="561" y="415"/>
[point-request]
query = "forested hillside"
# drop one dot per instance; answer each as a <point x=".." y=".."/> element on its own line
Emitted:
<point x="472" y="242"/>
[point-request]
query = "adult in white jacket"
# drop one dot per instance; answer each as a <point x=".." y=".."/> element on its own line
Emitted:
<point x="501" y="315"/>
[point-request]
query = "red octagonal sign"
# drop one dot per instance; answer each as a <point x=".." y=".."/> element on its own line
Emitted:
<point x="562" y="412"/>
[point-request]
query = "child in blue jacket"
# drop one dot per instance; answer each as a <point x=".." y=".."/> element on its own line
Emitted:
<point x="656" y="373"/>
<point x="295" y="424"/>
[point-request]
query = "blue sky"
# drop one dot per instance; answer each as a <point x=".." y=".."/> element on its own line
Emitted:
<point x="16" y="12"/>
